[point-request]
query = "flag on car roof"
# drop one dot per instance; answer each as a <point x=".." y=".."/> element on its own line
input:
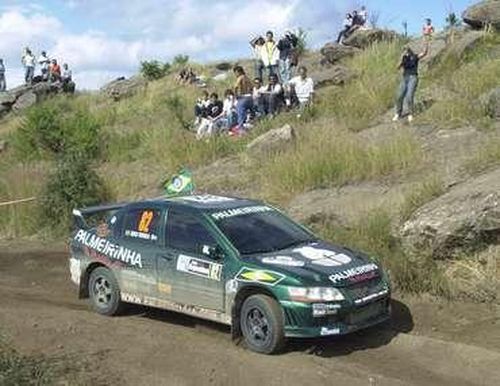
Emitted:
<point x="180" y="184"/>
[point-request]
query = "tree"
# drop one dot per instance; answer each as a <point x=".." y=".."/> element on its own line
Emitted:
<point x="301" y="42"/>
<point x="452" y="22"/>
<point x="153" y="69"/>
<point x="180" y="60"/>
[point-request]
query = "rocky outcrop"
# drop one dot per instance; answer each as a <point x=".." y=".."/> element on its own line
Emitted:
<point x="363" y="38"/>
<point x="272" y="141"/>
<point x="491" y="102"/>
<point x="224" y="66"/>
<point x="333" y="52"/>
<point x="121" y="88"/>
<point x="336" y="75"/>
<point x="465" y="219"/>
<point x="486" y="13"/>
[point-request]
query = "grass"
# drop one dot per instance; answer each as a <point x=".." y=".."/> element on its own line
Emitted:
<point x="487" y="156"/>
<point x="421" y="195"/>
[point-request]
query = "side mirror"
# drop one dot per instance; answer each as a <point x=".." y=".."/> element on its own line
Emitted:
<point x="215" y="253"/>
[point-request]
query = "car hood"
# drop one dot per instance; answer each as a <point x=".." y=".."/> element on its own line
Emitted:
<point x="320" y="263"/>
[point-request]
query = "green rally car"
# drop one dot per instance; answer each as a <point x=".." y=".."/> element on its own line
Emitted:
<point x="229" y="260"/>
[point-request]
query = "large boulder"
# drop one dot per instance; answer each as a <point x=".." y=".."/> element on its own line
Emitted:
<point x="224" y="66"/>
<point x="272" y="141"/>
<point x="26" y="100"/>
<point x="363" y="38"/>
<point x="333" y="52"/>
<point x="485" y="13"/>
<point x="124" y="88"/>
<point x="336" y="75"/>
<point x="465" y="219"/>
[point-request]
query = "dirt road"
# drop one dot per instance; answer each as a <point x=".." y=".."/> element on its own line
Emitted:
<point x="427" y="343"/>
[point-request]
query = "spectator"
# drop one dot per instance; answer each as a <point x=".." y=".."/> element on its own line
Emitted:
<point x="428" y="29"/>
<point x="214" y="113"/>
<point x="3" y="83"/>
<point x="346" y="27"/>
<point x="363" y="16"/>
<point x="67" y="79"/>
<point x="55" y="71"/>
<point x="357" y="22"/>
<point x="200" y="109"/>
<point x="258" y="97"/>
<point x="243" y="91"/>
<point x="408" y="87"/>
<point x="257" y="46"/>
<point x="273" y="96"/>
<point x="230" y="117"/>
<point x="28" y="61"/>
<point x="286" y="46"/>
<point x="270" y="54"/>
<point x="44" y="63"/>
<point x="302" y="89"/>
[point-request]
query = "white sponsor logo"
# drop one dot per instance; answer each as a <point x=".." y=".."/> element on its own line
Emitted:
<point x="241" y="211"/>
<point x="199" y="267"/>
<point x="353" y="272"/>
<point x="207" y="199"/>
<point x="323" y="257"/>
<point x="113" y="251"/>
<point x="141" y="235"/>
<point x="329" y="331"/>
<point x="371" y="297"/>
<point x="283" y="260"/>
<point x="75" y="270"/>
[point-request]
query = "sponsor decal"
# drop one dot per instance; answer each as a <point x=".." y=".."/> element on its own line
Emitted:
<point x="141" y="235"/>
<point x="75" y="270"/>
<point x="228" y="213"/>
<point x="322" y="309"/>
<point x="165" y="288"/>
<point x="199" y="267"/>
<point x="371" y="297"/>
<point x="259" y="276"/>
<point x="207" y="199"/>
<point x="356" y="274"/>
<point x="323" y="257"/>
<point x="108" y="249"/>
<point x="329" y="331"/>
<point x="283" y="260"/>
<point x="232" y="286"/>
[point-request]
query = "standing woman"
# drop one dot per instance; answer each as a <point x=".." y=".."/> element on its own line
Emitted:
<point x="409" y="83"/>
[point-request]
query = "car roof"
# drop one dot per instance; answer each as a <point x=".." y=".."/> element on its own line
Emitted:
<point x="204" y="202"/>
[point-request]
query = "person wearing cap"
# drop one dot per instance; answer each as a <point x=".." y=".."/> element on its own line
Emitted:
<point x="286" y="46"/>
<point x="3" y="83"/>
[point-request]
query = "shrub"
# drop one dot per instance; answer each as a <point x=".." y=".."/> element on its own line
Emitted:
<point x="181" y="60"/>
<point x="154" y="70"/>
<point x="73" y="184"/>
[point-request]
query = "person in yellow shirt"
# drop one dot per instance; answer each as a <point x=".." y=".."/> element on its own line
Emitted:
<point x="270" y="54"/>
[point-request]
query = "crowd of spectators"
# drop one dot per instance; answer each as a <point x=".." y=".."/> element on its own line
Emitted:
<point x="352" y="22"/>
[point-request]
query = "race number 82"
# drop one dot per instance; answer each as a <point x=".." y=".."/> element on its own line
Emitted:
<point x="145" y="221"/>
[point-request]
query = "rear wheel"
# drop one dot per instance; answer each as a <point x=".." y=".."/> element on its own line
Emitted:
<point x="104" y="292"/>
<point x="262" y="324"/>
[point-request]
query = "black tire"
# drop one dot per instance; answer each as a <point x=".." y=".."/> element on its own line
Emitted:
<point x="262" y="324"/>
<point x="104" y="292"/>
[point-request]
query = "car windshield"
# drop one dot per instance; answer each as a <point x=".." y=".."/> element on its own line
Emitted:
<point x="263" y="232"/>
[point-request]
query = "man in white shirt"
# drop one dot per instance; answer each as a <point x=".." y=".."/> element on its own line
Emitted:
<point x="302" y="89"/>
<point x="44" y="62"/>
<point x="28" y="61"/>
<point x="272" y="96"/>
<point x="258" y="96"/>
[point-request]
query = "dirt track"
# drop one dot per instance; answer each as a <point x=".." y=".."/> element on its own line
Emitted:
<point x="427" y="343"/>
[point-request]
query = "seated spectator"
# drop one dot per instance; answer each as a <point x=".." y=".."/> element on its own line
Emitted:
<point x="243" y="90"/>
<point x="272" y="96"/>
<point x="302" y="89"/>
<point x="200" y="109"/>
<point x="181" y="76"/>
<point x="44" y="62"/>
<point x="346" y="27"/>
<point x="363" y="16"/>
<point x="55" y="71"/>
<point x="258" y="96"/>
<point x="230" y="118"/>
<point x="214" y="112"/>
<point x="428" y="29"/>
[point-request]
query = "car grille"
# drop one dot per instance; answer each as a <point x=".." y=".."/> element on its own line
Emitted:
<point x="365" y="313"/>
<point x="365" y="288"/>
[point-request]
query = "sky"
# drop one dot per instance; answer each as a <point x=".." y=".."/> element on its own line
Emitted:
<point x="104" y="39"/>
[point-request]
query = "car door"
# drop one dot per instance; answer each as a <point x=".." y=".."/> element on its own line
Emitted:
<point x="141" y="231"/>
<point x="198" y="277"/>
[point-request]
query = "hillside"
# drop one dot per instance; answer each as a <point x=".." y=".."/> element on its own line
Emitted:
<point x="350" y="173"/>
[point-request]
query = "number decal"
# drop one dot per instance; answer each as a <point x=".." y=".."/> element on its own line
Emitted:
<point x="145" y="222"/>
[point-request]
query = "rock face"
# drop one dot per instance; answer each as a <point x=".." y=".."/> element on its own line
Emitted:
<point x="124" y="88"/>
<point x="363" y="38"/>
<point x="333" y="52"/>
<point x="464" y="219"/>
<point x="273" y="140"/>
<point x="491" y="102"/>
<point x="483" y="14"/>
<point x="223" y="66"/>
<point x="336" y="75"/>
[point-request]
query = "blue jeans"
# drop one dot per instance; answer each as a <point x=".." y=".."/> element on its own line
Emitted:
<point x="285" y="70"/>
<point x="28" y="75"/>
<point x="244" y="104"/>
<point x="406" y="93"/>
<point x="272" y="70"/>
<point x="258" y="68"/>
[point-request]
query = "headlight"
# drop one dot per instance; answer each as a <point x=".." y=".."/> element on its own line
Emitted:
<point x="315" y="294"/>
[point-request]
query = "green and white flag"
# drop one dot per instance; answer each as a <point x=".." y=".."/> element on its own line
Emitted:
<point x="180" y="184"/>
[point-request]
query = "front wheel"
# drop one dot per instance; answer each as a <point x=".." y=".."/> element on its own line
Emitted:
<point x="262" y="324"/>
<point x="104" y="292"/>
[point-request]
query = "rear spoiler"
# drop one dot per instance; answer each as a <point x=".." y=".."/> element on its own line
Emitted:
<point x="80" y="214"/>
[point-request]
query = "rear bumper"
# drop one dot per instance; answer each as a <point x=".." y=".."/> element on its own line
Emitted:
<point x="300" y="322"/>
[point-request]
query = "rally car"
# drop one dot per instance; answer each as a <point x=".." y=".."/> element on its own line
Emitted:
<point x="229" y="260"/>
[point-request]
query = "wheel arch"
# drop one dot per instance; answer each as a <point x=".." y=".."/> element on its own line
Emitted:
<point x="84" y="281"/>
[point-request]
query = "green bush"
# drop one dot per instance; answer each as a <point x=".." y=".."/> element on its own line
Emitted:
<point x="154" y="70"/>
<point x="73" y="184"/>
<point x="181" y="60"/>
<point x="55" y="129"/>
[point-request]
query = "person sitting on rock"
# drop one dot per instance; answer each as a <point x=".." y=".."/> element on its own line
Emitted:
<point x="67" y="79"/>
<point x="409" y="82"/>
<point x="3" y="83"/>
<point x="272" y="96"/>
<point x="346" y="27"/>
<point x="230" y="118"/>
<point x="363" y="16"/>
<point x="28" y="61"/>
<point x="258" y="97"/>
<point x="44" y="63"/>
<point x="428" y="29"/>
<point x="55" y="71"/>
<point x="302" y="90"/>
<point x="200" y="108"/>
<point x="357" y="22"/>
<point x="213" y="115"/>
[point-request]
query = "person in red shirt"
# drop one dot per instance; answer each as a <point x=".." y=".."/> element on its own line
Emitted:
<point x="55" y="71"/>
<point x="428" y="29"/>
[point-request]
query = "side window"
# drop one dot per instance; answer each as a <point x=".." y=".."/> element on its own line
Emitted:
<point x="186" y="233"/>
<point x="142" y="224"/>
